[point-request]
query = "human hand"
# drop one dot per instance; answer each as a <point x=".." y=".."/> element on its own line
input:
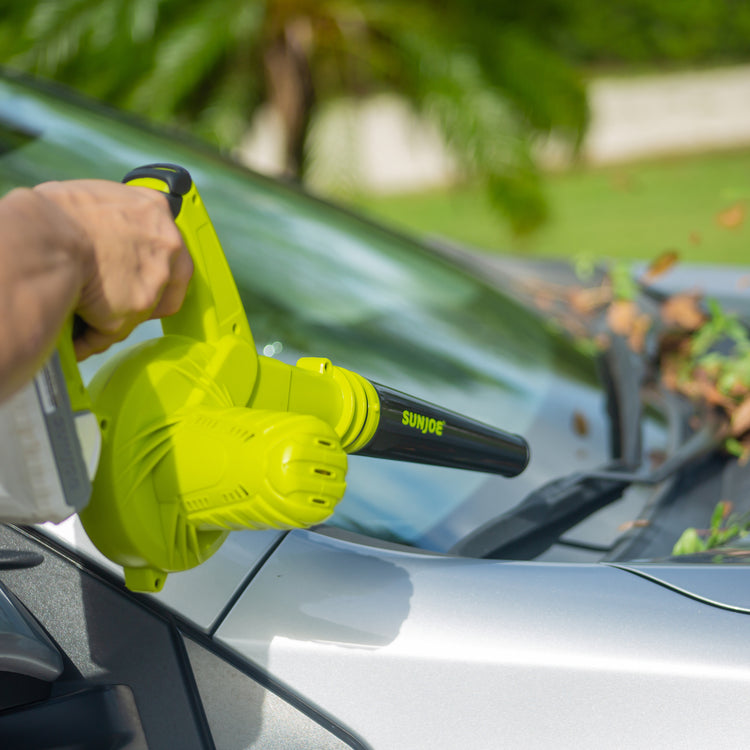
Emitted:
<point x="134" y="261"/>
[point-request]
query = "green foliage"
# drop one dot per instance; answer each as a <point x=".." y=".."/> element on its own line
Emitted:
<point x="624" y="285"/>
<point x="654" y="31"/>
<point x="730" y="366"/>
<point x="477" y="68"/>
<point x="165" y="60"/>
<point x="734" y="447"/>
<point x="723" y="529"/>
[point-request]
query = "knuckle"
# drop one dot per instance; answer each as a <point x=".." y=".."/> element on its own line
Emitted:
<point x="174" y="239"/>
<point x="109" y="328"/>
<point x="144" y="299"/>
<point x="170" y="304"/>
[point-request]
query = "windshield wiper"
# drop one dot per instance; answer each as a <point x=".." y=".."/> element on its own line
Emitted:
<point x="537" y="522"/>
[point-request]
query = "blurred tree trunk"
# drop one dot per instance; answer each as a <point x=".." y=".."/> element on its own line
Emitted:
<point x="291" y="93"/>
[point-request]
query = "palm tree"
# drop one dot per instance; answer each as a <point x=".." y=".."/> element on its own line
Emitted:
<point x="477" y="69"/>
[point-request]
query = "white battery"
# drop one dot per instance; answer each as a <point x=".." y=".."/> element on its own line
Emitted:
<point x="43" y="474"/>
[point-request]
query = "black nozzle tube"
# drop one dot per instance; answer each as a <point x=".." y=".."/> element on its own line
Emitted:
<point x="417" y="431"/>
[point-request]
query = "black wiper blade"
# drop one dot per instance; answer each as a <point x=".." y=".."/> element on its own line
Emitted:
<point x="536" y="523"/>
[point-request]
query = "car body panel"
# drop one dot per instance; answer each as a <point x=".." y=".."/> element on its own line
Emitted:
<point x="420" y="651"/>
<point x="200" y="595"/>
<point x="188" y="695"/>
<point x="244" y="715"/>
<point x="718" y="584"/>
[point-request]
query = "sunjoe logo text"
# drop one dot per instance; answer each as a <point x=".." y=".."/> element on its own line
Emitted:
<point x="422" y="423"/>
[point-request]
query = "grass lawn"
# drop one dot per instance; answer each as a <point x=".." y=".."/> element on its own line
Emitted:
<point x="696" y="205"/>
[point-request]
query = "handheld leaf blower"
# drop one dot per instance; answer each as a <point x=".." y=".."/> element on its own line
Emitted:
<point x="201" y="435"/>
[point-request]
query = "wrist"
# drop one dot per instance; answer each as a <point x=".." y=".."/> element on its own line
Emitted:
<point x="57" y="203"/>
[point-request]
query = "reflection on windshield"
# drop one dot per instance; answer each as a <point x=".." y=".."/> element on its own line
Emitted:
<point x="316" y="281"/>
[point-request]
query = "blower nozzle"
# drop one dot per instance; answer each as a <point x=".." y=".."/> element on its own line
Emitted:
<point x="410" y="429"/>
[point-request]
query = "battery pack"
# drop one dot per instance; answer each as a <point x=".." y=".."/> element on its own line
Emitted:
<point x="44" y="475"/>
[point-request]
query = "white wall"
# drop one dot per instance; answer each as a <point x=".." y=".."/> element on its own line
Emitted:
<point x="380" y="145"/>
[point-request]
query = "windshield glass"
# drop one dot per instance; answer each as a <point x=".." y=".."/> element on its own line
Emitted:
<point x="317" y="281"/>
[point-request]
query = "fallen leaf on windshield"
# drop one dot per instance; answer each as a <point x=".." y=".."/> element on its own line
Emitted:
<point x="587" y="300"/>
<point x="699" y="385"/>
<point x="732" y="217"/>
<point x="637" y="337"/>
<point x="705" y="387"/>
<point x="621" y="315"/>
<point x="602" y="341"/>
<point x="659" y="266"/>
<point x="657" y="457"/>
<point x="639" y="523"/>
<point x="683" y="311"/>
<point x="727" y="506"/>
<point x="740" y="422"/>
<point x="580" y="424"/>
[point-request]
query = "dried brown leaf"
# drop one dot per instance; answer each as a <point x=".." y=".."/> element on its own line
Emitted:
<point x="602" y="341"/>
<point x="637" y="337"/>
<point x="732" y="217"/>
<point x="639" y="523"/>
<point x="714" y="396"/>
<point x="660" y="265"/>
<point x="669" y="372"/>
<point x="740" y="420"/>
<point x="739" y="391"/>
<point x="580" y="424"/>
<point x="683" y="311"/>
<point x="621" y="317"/>
<point x="657" y="457"/>
<point x="586" y="301"/>
<point x="745" y="457"/>
<point x="703" y="385"/>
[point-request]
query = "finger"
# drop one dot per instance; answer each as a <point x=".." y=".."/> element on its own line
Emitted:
<point x="91" y="341"/>
<point x="173" y="294"/>
<point x="94" y="341"/>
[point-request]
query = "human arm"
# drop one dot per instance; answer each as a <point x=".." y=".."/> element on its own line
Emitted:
<point x="109" y="253"/>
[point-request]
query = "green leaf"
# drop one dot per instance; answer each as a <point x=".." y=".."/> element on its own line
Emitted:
<point x="717" y="517"/>
<point x="689" y="543"/>
<point x="624" y="286"/>
<point x="733" y="446"/>
<point x="584" y="265"/>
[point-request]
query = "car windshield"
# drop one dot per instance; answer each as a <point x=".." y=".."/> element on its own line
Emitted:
<point x="317" y="281"/>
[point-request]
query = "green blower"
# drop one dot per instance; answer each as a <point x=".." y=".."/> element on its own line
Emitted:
<point x="202" y="436"/>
